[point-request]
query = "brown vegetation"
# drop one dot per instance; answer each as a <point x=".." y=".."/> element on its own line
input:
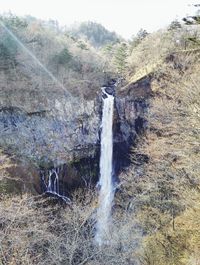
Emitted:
<point x="165" y="191"/>
<point x="35" y="230"/>
<point x="157" y="211"/>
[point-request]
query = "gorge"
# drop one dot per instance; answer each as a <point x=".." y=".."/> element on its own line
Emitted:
<point x="99" y="154"/>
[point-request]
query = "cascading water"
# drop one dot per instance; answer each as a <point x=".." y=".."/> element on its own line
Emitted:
<point x="106" y="187"/>
<point x="53" y="183"/>
<point x="50" y="185"/>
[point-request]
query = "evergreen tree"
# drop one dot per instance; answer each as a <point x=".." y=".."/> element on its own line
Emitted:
<point x="121" y="58"/>
<point x="174" y="25"/>
<point x="64" y="57"/>
<point x="142" y="34"/>
<point x="108" y="50"/>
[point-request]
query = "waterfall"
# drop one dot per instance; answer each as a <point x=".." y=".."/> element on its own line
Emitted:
<point x="106" y="188"/>
<point x="50" y="185"/>
<point x="53" y="182"/>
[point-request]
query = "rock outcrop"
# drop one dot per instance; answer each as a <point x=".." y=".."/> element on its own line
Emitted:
<point x="49" y="128"/>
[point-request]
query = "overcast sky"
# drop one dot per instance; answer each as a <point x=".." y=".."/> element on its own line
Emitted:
<point x="125" y="17"/>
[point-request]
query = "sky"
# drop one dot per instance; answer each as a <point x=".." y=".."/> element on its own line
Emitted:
<point x="126" y="17"/>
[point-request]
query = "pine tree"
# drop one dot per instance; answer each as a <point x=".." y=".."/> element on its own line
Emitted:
<point x="142" y="34"/>
<point x="174" y="25"/>
<point x="121" y="58"/>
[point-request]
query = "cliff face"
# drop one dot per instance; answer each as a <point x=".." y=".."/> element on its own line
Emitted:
<point x="60" y="132"/>
<point x="44" y="129"/>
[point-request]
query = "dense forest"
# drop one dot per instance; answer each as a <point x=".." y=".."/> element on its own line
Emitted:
<point x="50" y="115"/>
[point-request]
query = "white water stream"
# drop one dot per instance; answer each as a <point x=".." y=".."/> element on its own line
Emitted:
<point x="106" y="187"/>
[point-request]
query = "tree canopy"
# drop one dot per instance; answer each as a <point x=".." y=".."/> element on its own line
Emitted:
<point x="95" y="33"/>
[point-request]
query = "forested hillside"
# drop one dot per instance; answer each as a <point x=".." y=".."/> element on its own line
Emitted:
<point x="95" y="33"/>
<point x="72" y="61"/>
<point x="156" y="136"/>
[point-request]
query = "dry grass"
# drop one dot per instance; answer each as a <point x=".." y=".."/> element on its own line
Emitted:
<point x="165" y="191"/>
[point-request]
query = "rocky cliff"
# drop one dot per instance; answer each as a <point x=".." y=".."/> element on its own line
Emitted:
<point x="48" y="128"/>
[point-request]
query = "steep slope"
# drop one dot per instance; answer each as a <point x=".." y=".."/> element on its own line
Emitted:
<point x="163" y="190"/>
